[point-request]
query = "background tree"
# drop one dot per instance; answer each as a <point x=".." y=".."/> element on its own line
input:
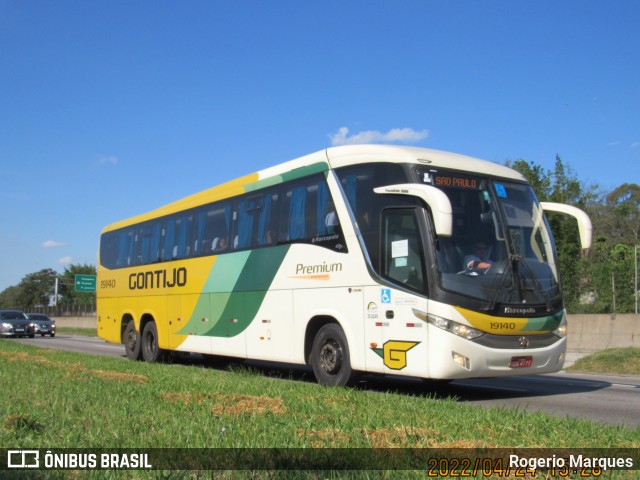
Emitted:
<point x="539" y="178"/>
<point x="36" y="289"/>
<point x="9" y="297"/>
<point x="587" y="280"/>
<point x="621" y="219"/>
<point x="563" y="186"/>
<point x="66" y="289"/>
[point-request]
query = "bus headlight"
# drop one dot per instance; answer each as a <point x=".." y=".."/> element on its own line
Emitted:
<point x="561" y="331"/>
<point x="456" y="328"/>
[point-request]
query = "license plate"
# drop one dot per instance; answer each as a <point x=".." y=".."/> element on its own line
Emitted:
<point x="19" y="329"/>
<point x="521" y="362"/>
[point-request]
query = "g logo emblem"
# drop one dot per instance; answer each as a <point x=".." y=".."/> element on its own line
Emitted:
<point x="394" y="353"/>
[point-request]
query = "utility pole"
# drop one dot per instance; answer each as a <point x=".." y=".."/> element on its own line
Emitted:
<point x="636" y="284"/>
<point x="613" y="294"/>
<point x="55" y="293"/>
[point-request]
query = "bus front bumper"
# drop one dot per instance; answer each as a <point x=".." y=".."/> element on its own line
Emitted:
<point x="452" y="357"/>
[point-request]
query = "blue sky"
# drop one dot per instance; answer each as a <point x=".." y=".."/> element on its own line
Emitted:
<point x="112" y="108"/>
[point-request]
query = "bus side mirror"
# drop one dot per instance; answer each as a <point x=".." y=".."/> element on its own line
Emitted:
<point x="584" y="222"/>
<point x="436" y="199"/>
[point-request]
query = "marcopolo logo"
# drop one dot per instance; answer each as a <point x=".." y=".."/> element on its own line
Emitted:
<point x="519" y="310"/>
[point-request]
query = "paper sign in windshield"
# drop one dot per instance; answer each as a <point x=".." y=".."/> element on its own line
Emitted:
<point x="400" y="248"/>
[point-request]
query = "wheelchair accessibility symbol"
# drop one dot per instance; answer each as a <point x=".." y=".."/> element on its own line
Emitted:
<point x="385" y="295"/>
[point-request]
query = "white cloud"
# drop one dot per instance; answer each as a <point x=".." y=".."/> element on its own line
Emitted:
<point x="110" y="160"/>
<point x="53" y="244"/>
<point x="613" y="143"/>
<point x="635" y="145"/>
<point x="65" y="261"/>
<point x="395" y="135"/>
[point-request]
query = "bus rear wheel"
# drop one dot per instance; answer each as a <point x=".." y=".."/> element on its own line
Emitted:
<point x="131" y="340"/>
<point x="151" y="352"/>
<point x="330" y="357"/>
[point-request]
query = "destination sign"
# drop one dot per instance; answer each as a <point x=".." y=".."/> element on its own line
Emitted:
<point x="449" y="179"/>
<point x="457" y="182"/>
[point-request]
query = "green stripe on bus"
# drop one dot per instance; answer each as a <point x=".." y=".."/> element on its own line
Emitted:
<point x="226" y="314"/>
<point x="294" y="174"/>
<point x="304" y="171"/>
<point x="543" y="324"/>
<point x="267" y="182"/>
<point x="249" y="292"/>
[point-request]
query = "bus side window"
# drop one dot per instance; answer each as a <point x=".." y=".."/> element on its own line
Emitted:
<point x="221" y="227"/>
<point x="200" y="241"/>
<point x="109" y="250"/>
<point x="168" y="240"/>
<point x="307" y="214"/>
<point x="125" y="248"/>
<point x="403" y="260"/>
<point x="248" y="212"/>
<point x="267" y="219"/>
<point x="143" y="245"/>
<point x="183" y="245"/>
<point x="297" y="213"/>
<point x="292" y="214"/>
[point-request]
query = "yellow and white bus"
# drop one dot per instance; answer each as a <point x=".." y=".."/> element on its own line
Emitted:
<point x="352" y="259"/>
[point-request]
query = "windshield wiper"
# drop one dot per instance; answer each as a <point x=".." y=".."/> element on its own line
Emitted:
<point x="498" y="283"/>
<point x="536" y="282"/>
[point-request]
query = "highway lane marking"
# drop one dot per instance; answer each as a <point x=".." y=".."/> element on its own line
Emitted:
<point x="114" y="347"/>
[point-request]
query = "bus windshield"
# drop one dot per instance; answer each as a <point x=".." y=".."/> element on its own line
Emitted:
<point x="501" y="250"/>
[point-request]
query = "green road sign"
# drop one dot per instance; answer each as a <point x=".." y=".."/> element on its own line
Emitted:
<point x="85" y="283"/>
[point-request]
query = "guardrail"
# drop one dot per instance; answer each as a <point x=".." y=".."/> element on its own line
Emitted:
<point x="64" y="310"/>
<point x="590" y="333"/>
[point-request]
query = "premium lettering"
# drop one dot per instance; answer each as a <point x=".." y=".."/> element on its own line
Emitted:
<point x="158" y="279"/>
<point x="324" y="267"/>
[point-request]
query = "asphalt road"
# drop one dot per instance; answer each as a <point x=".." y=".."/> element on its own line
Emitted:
<point x="608" y="399"/>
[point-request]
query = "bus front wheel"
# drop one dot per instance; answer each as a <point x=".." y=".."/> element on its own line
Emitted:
<point x="131" y="340"/>
<point x="151" y="352"/>
<point x="330" y="356"/>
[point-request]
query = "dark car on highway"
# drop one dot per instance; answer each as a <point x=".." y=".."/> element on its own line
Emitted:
<point x="43" y="324"/>
<point x="14" y="323"/>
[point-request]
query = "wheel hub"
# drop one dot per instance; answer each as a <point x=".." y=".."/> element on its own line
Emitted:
<point x="131" y="340"/>
<point x="330" y="357"/>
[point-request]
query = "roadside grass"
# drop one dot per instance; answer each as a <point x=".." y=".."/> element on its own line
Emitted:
<point x="62" y="399"/>
<point x="84" y="332"/>
<point x="622" y="361"/>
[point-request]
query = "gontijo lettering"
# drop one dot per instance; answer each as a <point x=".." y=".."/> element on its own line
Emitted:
<point x="176" y="277"/>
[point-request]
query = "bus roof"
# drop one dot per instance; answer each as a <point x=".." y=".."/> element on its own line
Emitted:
<point x="349" y="154"/>
<point x="333" y="157"/>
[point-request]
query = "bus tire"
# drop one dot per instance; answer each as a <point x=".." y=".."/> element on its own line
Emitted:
<point x="330" y="356"/>
<point x="151" y="352"/>
<point x="131" y="340"/>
